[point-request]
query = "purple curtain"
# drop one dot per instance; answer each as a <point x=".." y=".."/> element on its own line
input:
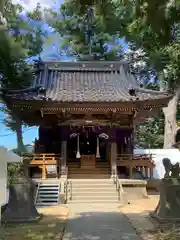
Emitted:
<point x="91" y="131"/>
<point x="117" y="134"/>
<point x="121" y="134"/>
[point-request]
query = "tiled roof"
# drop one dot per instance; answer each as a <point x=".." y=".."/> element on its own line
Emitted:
<point x="86" y="82"/>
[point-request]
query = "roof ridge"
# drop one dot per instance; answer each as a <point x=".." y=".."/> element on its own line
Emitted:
<point x="145" y="90"/>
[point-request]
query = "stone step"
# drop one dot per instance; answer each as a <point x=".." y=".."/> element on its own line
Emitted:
<point x="100" y="201"/>
<point x="87" y="172"/>
<point x="89" y="176"/>
<point x="90" y="187"/>
<point x="88" y="169"/>
<point x="85" y="182"/>
<point x="96" y="175"/>
<point x="95" y="197"/>
<point x="95" y="194"/>
<point x="93" y="180"/>
<point x="98" y="165"/>
<point x="94" y="190"/>
<point x="93" y="184"/>
<point x="75" y="169"/>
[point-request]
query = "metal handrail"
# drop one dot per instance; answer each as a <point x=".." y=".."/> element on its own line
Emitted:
<point x="68" y="190"/>
<point x="35" y="199"/>
<point x="70" y="182"/>
<point x="68" y="187"/>
<point x="118" y="185"/>
<point x="65" y="191"/>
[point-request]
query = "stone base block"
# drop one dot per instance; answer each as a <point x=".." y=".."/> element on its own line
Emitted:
<point x="62" y="198"/>
<point x="168" y="208"/>
<point x="164" y="220"/>
<point x="133" y="190"/>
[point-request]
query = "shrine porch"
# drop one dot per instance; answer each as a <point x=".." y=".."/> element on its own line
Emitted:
<point x="51" y="166"/>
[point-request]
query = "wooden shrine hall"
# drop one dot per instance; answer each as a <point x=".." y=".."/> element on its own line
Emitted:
<point x="86" y="113"/>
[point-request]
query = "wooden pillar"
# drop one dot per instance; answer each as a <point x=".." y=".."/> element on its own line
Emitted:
<point x="129" y="145"/>
<point x="151" y="172"/>
<point x="146" y="171"/>
<point x="133" y="135"/>
<point x="108" y="152"/>
<point x="63" y="158"/>
<point x="130" y="170"/>
<point x="113" y="151"/>
<point x="44" y="175"/>
<point x="141" y="169"/>
<point x="113" y="158"/>
<point x="132" y="142"/>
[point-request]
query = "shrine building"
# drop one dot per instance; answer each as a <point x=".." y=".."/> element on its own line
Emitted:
<point x="86" y="113"/>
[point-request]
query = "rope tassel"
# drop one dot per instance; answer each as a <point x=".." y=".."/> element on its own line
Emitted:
<point x="97" y="149"/>
<point x="78" y="148"/>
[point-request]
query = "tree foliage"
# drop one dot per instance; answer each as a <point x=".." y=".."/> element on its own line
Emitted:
<point x="107" y="21"/>
<point x="19" y="40"/>
<point x="84" y="34"/>
<point x="151" y="134"/>
<point x="153" y="27"/>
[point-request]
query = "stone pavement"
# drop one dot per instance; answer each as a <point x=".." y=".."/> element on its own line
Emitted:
<point x="98" y="222"/>
<point x="138" y="214"/>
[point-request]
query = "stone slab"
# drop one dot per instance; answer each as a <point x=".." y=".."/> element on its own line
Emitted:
<point x="96" y="222"/>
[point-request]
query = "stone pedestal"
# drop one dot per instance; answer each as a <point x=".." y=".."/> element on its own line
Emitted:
<point x="21" y="207"/>
<point x="132" y="189"/>
<point x="168" y="208"/>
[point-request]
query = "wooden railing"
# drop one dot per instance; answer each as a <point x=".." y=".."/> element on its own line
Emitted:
<point x="143" y="163"/>
<point x="44" y="160"/>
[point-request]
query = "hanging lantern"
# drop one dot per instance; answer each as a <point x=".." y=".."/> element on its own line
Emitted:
<point x="97" y="149"/>
<point x="78" y="148"/>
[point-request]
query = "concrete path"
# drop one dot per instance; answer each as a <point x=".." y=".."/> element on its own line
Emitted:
<point x="98" y="222"/>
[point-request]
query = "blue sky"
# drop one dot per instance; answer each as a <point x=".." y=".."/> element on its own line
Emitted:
<point x="51" y="50"/>
<point x="8" y="138"/>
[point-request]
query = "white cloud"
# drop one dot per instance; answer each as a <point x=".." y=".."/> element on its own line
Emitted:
<point x="31" y="4"/>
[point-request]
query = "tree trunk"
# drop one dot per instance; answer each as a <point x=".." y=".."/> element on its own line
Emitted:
<point x="20" y="144"/>
<point x="170" y="127"/>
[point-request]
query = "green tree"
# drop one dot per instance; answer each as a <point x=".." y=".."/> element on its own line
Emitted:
<point x="83" y="33"/>
<point x="19" y="41"/>
<point x="151" y="134"/>
<point x="153" y="27"/>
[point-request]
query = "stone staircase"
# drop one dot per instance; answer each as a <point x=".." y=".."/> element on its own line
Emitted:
<point x="47" y="194"/>
<point x="94" y="191"/>
<point x="102" y="171"/>
<point x="92" y="185"/>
